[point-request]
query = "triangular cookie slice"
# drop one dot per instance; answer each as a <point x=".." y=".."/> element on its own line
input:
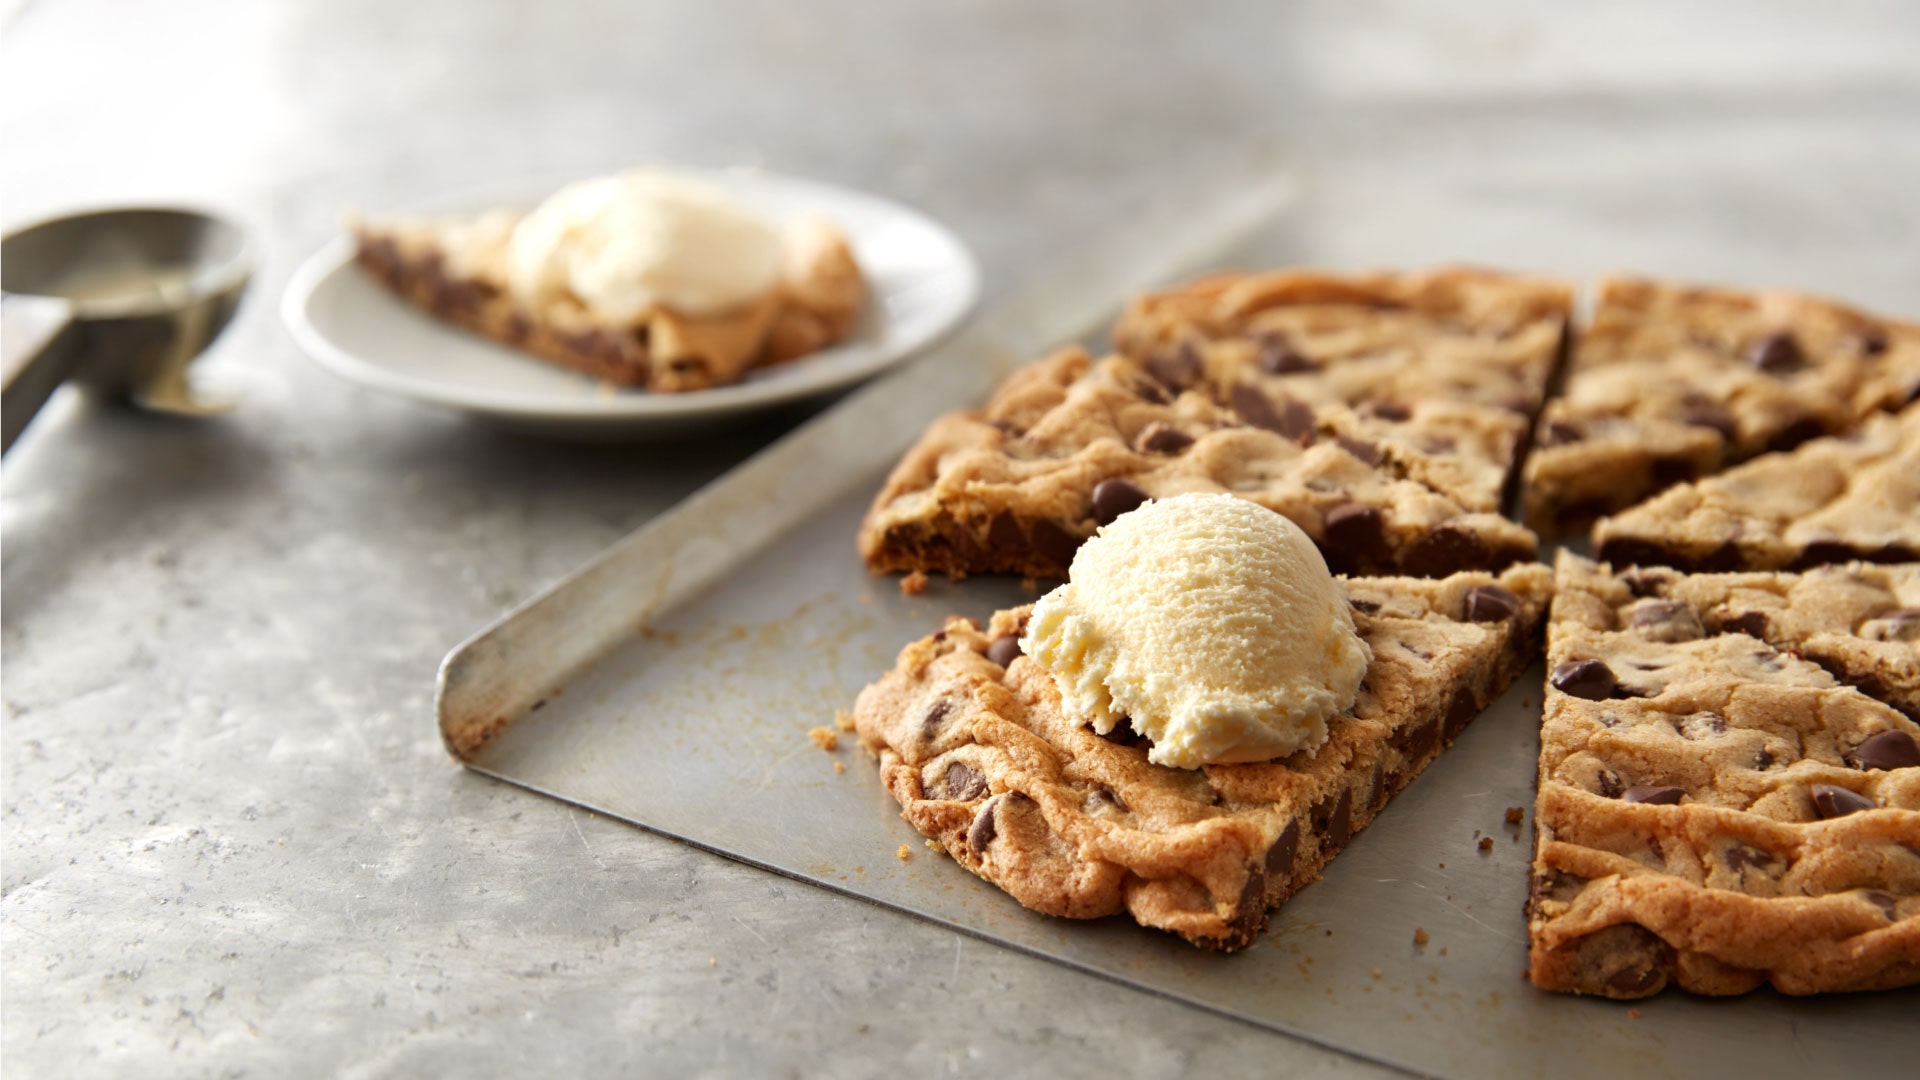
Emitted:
<point x="972" y="741"/>
<point x="1070" y="443"/>
<point x="1671" y="383"/>
<point x="1443" y="370"/>
<point x="1852" y="497"/>
<point x="1716" y="809"/>
<point x="456" y="270"/>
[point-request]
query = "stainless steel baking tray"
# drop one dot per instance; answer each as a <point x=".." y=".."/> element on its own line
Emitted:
<point x="671" y="683"/>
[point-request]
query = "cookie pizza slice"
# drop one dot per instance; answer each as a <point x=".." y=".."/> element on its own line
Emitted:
<point x="1068" y="444"/>
<point x="1729" y="787"/>
<point x="644" y="279"/>
<point x="1442" y="371"/>
<point x="975" y="742"/>
<point x="1670" y="383"/>
<point x="1853" y="496"/>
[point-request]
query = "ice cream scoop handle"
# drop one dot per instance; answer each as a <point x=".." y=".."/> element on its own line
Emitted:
<point x="39" y="343"/>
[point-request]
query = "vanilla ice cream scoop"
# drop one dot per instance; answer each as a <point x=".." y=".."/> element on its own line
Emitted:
<point x="1209" y="621"/>
<point x="624" y="245"/>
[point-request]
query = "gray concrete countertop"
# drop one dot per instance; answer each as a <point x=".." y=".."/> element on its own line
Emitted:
<point x="232" y="842"/>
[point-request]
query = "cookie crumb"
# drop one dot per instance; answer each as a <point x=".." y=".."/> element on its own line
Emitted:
<point x="1486" y="843"/>
<point x="713" y="961"/>
<point x="1443" y="950"/>
<point x="840" y="767"/>
<point x="934" y="846"/>
<point x="1420" y="936"/>
<point x="914" y="584"/>
<point x="1443" y="866"/>
<point x="824" y="738"/>
<point x="843" y="719"/>
<point x="905" y="853"/>
<point x="1633" y="1014"/>
<point x="1377" y="973"/>
<point x="1516" y="814"/>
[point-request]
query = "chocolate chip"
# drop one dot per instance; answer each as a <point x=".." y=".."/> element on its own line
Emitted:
<point x="1900" y="624"/>
<point x="1340" y="829"/>
<point x="1830" y="801"/>
<point x="1776" y="354"/>
<point x="1643" y="583"/>
<point x="1111" y="798"/>
<point x="1177" y="369"/>
<point x="1763" y="758"/>
<point x="1114" y="497"/>
<point x="1667" y="471"/>
<point x="1124" y="735"/>
<point x="1656" y="794"/>
<point x="1356" y="534"/>
<point x="1740" y="856"/>
<point x="1279" y="357"/>
<point x="1004" y="536"/>
<point x="1421" y="740"/>
<point x="1887" y="750"/>
<point x="1751" y="623"/>
<point x="1709" y="414"/>
<point x="936" y="713"/>
<point x="1055" y="543"/>
<point x="1883" y="901"/>
<point x="1462" y="707"/>
<point x="1872" y="340"/>
<point x="1004" y="650"/>
<point x="1388" y="410"/>
<point x="1561" y="432"/>
<point x="1280" y="856"/>
<point x="1446" y="550"/>
<point x="1589" y="679"/>
<point x="984" y="829"/>
<point x="964" y="782"/>
<point x="1634" y="980"/>
<point x="1489" y="603"/>
<point x="1365" y="607"/>
<point x="1666" y="621"/>
<point x="1253" y="406"/>
<point x="1361" y="448"/>
<point x="1149" y="389"/>
<point x="1296" y="418"/>
<point x="1609" y="783"/>
<point x="1166" y="440"/>
<point x="1794" y="434"/>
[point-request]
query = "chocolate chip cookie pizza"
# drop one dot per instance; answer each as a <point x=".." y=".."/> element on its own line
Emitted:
<point x="1441" y="371"/>
<point x="1070" y="443"/>
<point x="1854" y="496"/>
<point x="1669" y="383"/>
<point x="1729" y="782"/>
<point x="974" y="742"/>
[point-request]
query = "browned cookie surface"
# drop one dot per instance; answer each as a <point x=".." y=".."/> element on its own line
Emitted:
<point x="1855" y="496"/>
<point x="1442" y="370"/>
<point x="1717" y="811"/>
<point x="972" y="742"/>
<point x="1670" y="383"/>
<point x="1070" y="443"/>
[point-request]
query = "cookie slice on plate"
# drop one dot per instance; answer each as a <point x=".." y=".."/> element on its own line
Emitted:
<point x="1442" y="371"/>
<point x="457" y="269"/>
<point x="973" y="741"/>
<point x="1070" y="443"/>
<point x="1670" y="383"/>
<point x="1854" y="496"/>
<point x="1717" y="810"/>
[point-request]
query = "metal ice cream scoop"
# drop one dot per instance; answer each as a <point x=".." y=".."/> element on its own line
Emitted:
<point x="119" y="301"/>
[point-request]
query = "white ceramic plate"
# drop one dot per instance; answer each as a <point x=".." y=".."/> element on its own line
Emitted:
<point x="922" y="282"/>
